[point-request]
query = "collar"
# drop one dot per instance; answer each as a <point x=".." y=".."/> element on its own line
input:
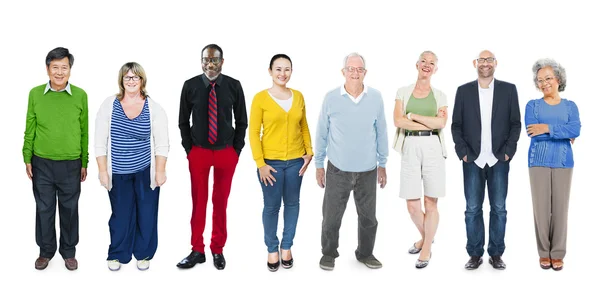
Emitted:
<point x="67" y="88"/>
<point x="491" y="84"/>
<point x="343" y="90"/>
<point x="206" y="81"/>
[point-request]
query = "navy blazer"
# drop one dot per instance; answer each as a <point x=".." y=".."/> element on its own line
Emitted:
<point x="466" y="121"/>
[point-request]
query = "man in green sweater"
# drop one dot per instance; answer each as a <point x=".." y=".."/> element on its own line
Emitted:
<point x="55" y="152"/>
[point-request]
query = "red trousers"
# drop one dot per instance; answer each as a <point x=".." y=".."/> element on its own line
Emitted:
<point x="224" y="162"/>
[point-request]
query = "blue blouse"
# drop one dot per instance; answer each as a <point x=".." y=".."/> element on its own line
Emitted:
<point x="552" y="149"/>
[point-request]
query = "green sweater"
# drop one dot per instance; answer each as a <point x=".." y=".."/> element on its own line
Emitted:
<point x="57" y="125"/>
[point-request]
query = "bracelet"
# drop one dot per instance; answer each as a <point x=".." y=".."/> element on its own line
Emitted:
<point x="408" y="116"/>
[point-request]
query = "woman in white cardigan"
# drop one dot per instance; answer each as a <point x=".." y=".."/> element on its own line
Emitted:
<point x="420" y="115"/>
<point x="132" y="144"/>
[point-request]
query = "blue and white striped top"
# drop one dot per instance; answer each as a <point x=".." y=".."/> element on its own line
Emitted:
<point x="130" y="140"/>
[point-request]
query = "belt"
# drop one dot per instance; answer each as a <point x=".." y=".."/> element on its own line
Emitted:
<point x="421" y="133"/>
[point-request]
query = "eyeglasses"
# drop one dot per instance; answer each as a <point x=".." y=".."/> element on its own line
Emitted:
<point x="135" y="78"/>
<point x="352" y="69"/>
<point x="214" y="60"/>
<point x="545" y="80"/>
<point x="490" y="60"/>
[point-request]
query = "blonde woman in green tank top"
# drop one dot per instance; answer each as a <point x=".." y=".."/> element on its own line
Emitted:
<point x="420" y="115"/>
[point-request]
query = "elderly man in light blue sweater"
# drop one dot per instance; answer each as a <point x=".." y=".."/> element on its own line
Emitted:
<point x="352" y="134"/>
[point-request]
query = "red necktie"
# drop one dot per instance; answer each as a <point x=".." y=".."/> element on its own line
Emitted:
<point x="212" y="115"/>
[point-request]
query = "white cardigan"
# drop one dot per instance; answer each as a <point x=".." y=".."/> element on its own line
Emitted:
<point x="403" y="94"/>
<point x="159" y="132"/>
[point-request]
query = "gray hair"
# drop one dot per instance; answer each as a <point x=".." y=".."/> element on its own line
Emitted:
<point x="559" y="72"/>
<point x="352" y="55"/>
<point x="427" y="52"/>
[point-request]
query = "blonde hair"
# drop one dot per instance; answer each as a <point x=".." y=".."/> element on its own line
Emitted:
<point x="137" y="70"/>
<point x="427" y="52"/>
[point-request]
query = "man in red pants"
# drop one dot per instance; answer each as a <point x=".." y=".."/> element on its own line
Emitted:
<point x="211" y="141"/>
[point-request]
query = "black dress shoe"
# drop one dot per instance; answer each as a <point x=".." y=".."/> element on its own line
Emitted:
<point x="473" y="263"/>
<point x="191" y="260"/>
<point x="219" y="261"/>
<point x="273" y="267"/>
<point x="287" y="264"/>
<point x="497" y="263"/>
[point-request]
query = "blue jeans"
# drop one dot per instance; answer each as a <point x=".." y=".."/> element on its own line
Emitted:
<point x="287" y="187"/>
<point x="497" y="183"/>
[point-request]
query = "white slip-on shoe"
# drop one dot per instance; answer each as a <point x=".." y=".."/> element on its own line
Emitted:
<point x="114" y="265"/>
<point x="143" y="264"/>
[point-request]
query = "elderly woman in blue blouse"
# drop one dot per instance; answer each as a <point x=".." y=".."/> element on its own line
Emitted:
<point x="132" y="144"/>
<point x="553" y="124"/>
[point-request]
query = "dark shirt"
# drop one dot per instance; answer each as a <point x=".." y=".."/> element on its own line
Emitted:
<point x="230" y="99"/>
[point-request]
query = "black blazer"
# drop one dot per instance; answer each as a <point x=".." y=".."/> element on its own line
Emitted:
<point x="466" y="121"/>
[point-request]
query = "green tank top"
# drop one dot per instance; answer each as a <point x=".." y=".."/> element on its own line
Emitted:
<point x="422" y="106"/>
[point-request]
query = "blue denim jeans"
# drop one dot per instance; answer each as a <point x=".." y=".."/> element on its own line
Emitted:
<point x="286" y="187"/>
<point x="475" y="179"/>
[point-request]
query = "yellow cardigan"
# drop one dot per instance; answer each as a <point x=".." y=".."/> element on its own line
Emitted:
<point x="285" y="135"/>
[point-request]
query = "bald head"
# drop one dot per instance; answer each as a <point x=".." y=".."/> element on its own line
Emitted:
<point x="486" y="53"/>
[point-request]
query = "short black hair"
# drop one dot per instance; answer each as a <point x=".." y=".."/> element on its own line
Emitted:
<point x="279" y="56"/>
<point x="213" y="46"/>
<point x="59" y="53"/>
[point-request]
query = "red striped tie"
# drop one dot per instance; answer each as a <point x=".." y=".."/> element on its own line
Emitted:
<point x="212" y="115"/>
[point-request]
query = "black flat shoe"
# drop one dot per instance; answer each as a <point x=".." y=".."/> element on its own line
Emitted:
<point x="191" y="260"/>
<point x="287" y="264"/>
<point x="273" y="267"/>
<point x="219" y="261"/>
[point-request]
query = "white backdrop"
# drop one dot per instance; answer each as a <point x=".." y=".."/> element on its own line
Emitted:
<point x="167" y="40"/>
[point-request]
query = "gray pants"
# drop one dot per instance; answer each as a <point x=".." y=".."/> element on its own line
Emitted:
<point x="54" y="180"/>
<point x="550" y="189"/>
<point x="339" y="184"/>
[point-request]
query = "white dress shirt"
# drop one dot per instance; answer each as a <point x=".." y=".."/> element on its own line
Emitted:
<point x="358" y="98"/>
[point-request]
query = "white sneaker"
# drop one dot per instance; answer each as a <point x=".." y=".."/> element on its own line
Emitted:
<point x="143" y="264"/>
<point x="114" y="265"/>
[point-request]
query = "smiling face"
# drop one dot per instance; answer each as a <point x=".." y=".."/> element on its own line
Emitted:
<point x="132" y="82"/>
<point x="281" y="71"/>
<point x="354" y="71"/>
<point x="427" y="65"/>
<point x="212" y="62"/>
<point x="486" y="64"/>
<point x="59" y="72"/>
<point x="547" y="81"/>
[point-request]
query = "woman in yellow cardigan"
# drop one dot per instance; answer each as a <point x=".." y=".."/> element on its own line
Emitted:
<point x="282" y="155"/>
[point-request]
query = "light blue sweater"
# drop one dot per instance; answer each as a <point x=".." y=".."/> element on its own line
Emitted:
<point x="553" y="149"/>
<point x="352" y="135"/>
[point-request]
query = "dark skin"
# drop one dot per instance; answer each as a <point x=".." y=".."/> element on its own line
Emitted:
<point x="212" y="63"/>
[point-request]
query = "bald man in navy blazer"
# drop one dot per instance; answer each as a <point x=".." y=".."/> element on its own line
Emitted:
<point x="486" y="124"/>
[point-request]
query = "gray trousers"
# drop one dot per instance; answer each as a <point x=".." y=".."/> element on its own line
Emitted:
<point x="550" y="189"/>
<point x="54" y="180"/>
<point x="339" y="184"/>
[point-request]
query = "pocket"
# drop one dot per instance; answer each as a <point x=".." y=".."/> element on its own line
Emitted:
<point x="235" y="154"/>
<point x="332" y="169"/>
<point x="190" y="153"/>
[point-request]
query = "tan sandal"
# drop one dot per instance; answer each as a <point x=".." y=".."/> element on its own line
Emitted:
<point x="545" y="263"/>
<point x="557" y="264"/>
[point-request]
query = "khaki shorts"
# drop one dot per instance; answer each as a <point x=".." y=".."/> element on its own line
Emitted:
<point x="422" y="159"/>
